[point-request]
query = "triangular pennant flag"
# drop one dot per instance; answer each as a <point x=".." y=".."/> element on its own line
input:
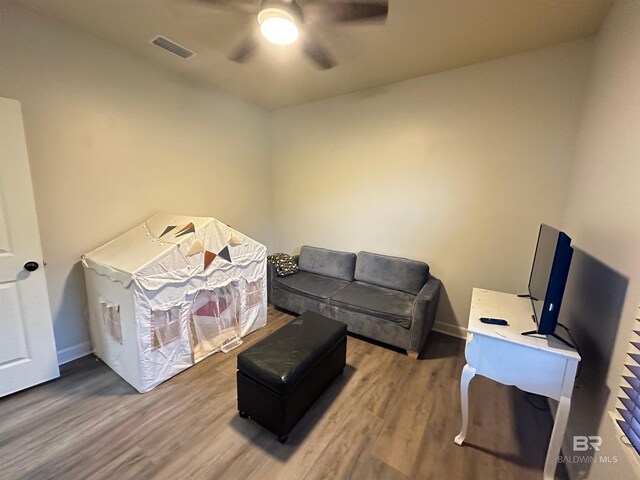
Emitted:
<point x="234" y="240"/>
<point x="224" y="253"/>
<point x="168" y="229"/>
<point x="189" y="228"/>
<point x="196" y="247"/>
<point x="208" y="258"/>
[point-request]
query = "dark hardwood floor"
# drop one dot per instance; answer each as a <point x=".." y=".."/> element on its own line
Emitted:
<point x="387" y="417"/>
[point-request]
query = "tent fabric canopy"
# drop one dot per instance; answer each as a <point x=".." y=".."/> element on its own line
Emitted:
<point x="149" y="280"/>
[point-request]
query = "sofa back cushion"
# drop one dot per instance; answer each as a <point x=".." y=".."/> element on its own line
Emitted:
<point x="329" y="263"/>
<point x="391" y="272"/>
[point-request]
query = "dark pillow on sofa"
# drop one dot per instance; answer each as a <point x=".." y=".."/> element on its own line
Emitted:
<point x="285" y="264"/>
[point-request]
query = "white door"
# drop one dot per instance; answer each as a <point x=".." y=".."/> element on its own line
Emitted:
<point x="27" y="347"/>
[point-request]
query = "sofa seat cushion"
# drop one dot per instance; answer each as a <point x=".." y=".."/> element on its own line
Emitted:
<point x="391" y="305"/>
<point x="310" y="284"/>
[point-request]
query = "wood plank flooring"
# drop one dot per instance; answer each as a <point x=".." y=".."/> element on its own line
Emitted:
<point x="388" y="417"/>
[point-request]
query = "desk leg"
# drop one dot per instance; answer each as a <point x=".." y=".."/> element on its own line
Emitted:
<point x="467" y="374"/>
<point x="557" y="435"/>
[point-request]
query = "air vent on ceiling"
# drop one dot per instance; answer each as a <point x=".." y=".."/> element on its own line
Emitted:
<point x="171" y="47"/>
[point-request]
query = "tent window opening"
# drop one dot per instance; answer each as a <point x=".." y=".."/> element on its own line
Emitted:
<point x="111" y="320"/>
<point x="254" y="293"/>
<point x="214" y="323"/>
<point x="165" y="327"/>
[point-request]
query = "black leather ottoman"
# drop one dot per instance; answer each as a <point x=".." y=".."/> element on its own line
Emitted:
<point x="281" y="376"/>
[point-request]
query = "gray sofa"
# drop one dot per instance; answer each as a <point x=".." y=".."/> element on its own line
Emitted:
<point x="389" y="299"/>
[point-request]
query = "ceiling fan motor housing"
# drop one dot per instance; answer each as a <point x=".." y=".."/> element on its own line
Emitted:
<point x="282" y="21"/>
<point x="271" y="8"/>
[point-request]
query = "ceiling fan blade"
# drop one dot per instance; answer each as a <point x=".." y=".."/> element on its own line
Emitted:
<point x="347" y="11"/>
<point x="318" y="55"/>
<point x="244" y="51"/>
<point x="239" y="6"/>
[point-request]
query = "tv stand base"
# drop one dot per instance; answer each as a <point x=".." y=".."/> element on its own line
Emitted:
<point x="557" y="337"/>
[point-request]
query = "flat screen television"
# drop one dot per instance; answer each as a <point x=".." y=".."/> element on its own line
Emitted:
<point x="548" y="277"/>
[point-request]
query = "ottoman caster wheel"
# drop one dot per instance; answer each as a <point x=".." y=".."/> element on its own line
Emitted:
<point x="244" y="415"/>
<point x="283" y="438"/>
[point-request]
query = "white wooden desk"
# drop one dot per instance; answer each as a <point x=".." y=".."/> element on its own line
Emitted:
<point x="538" y="365"/>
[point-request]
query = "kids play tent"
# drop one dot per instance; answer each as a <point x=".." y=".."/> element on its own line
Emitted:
<point x="171" y="292"/>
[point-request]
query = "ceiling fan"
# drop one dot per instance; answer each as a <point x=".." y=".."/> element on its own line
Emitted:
<point x="284" y="22"/>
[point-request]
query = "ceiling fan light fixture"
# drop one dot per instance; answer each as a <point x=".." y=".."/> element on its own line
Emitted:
<point x="278" y="26"/>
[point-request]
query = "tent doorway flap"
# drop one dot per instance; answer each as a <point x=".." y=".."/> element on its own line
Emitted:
<point x="215" y="321"/>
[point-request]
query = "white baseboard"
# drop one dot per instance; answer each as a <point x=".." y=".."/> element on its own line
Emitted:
<point x="452" y="330"/>
<point x="68" y="354"/>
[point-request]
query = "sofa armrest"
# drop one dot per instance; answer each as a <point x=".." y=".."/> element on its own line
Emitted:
<point x="271" y="275"/>
<point x="424" y="313"/>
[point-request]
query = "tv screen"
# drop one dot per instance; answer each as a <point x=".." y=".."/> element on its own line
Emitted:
<point x="548" y="277"/>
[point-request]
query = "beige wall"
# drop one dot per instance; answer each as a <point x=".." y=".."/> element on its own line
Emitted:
<point x="113" y="140"/>
<point x="457" y="169"/>
<point x="603" y="217"/>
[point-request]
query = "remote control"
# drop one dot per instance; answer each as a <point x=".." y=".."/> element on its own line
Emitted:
<point x="494" y="321"/>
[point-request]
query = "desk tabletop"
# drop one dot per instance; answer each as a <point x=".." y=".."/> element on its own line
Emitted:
<point x="517" y="311"/>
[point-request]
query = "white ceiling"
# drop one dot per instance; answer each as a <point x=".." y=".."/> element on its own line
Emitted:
<point x="419" y="37"/>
